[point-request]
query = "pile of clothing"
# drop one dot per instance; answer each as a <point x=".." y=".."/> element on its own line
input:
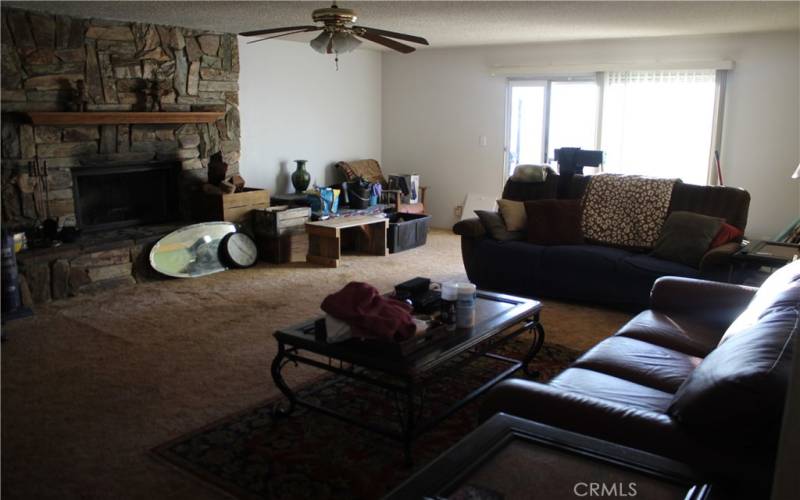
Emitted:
<point x="359" y="310"/>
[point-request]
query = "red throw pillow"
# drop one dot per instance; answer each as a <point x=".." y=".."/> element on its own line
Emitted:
<point x="554" y="222"/>
<point x="727" y="233"/>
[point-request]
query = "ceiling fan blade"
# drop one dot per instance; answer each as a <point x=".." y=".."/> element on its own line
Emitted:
<point x="387" y="42"/>
<point x="277" y="30"/>
<point x="282" y="34"/>
<point x="392" y="34"/>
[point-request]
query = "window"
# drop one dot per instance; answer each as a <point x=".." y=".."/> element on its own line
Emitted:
<point x="656" y="123"/>
<point x="545" y="115"/>
<point x="573" y="116"/>
<point x="527" y="123"/>
<point x="659" y="123"/>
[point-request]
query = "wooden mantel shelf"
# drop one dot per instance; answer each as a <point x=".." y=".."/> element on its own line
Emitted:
<point x="121" y="117"/>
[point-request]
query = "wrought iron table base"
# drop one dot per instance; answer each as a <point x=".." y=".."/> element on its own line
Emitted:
<point x="410" y="387"/>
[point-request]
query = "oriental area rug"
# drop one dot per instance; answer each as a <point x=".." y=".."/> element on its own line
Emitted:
<point x="251" y="454"/>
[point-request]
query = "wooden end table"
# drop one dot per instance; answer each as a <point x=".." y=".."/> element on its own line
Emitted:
<point x="747" y="262"/>
<point x="325" y="238"/>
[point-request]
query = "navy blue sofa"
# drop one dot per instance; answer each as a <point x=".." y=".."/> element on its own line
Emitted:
<point x="591" y="272"/>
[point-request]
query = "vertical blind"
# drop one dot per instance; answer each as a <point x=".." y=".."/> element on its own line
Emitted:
<point x="659" y="123"/>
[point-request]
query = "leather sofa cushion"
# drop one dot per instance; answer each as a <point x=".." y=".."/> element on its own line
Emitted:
<point x="686" y="237"/>
<point x="610" y="388"/>
<point x="746" y="376"/>
<point x="680" y="332"/>
<point x="507" y="266"/>
<point x="496" y="227"/>
<point x="582" y="272"/>
<point x="513" y="213"/>
<point x="641" y="362"/>
<point x="554" y="222"/>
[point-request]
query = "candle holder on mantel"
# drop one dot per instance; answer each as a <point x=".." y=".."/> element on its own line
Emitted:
<point x="300" y="177"/>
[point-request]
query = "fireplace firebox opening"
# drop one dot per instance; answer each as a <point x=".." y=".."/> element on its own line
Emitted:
<point x="121" y="195"/>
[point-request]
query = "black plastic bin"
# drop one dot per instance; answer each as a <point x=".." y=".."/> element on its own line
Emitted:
<point x="407" y="231"/>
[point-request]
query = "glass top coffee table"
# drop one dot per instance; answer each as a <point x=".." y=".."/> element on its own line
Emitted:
<point x="403" y="369"/>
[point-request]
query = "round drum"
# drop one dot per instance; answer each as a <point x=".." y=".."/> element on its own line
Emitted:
<point x="238" y="250"/>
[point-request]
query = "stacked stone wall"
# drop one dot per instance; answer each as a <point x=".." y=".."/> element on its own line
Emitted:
<point x="43" y="58"/>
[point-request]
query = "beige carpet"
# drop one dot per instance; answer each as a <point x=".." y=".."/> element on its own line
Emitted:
<point x="90" y="384"/>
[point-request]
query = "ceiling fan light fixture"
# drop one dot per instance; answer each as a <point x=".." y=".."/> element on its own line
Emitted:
<point x="320" y="43"/>
<point x="344" y="42"/>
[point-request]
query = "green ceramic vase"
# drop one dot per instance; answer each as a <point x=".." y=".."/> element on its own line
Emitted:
<point x="300" y="177"/>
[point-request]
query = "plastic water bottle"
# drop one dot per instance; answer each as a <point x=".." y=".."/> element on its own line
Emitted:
<point x="448" y="310"/>
<point x="465" y="305"/>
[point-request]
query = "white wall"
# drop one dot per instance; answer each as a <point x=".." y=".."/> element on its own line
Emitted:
<point x="295" y="105"/>
<point x="437" y="103"/>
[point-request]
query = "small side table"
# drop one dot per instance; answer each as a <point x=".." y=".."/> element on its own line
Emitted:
<point x="511" y="458"/>
<point x="758" y="254"/>
<point x="325" y="237"/>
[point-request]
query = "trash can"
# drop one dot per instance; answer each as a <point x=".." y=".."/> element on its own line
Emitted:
<point x="359" y="194"/>
<point x="407" y="231"/>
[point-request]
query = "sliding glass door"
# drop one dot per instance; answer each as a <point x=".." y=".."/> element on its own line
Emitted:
<point x="573" y="116"/>
<point x="656" y="123"/>
<point x="548" y="114"/>
<point x="527" y="125"/>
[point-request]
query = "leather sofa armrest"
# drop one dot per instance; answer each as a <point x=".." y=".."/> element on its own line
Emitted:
<point x="716" y="262"/>
<point x="471" y="228"/>
<point x="626" y="425"/>
<point x="711" y="301"/>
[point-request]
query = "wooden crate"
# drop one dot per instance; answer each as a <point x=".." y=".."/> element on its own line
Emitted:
<point x="233" y="207"/>
<point x="291" y="246"/>
<point x="280" y="233"/>
<point x="275" y="221"/>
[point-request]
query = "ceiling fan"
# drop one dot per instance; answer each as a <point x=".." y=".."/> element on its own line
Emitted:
<point x="339" y="34"/>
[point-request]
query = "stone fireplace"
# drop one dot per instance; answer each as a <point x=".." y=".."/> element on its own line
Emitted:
<point x="123" y="184"/>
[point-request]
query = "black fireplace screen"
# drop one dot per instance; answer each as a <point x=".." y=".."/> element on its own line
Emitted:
<point x="117" y="196"/>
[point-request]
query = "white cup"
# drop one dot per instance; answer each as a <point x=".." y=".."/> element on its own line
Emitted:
<point x="465" y="305"/>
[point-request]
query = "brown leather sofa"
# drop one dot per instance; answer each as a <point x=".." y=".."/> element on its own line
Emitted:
<point x="700" y="377"/>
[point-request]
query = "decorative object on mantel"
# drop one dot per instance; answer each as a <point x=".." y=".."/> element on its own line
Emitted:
<point x="81" y="96"/>
<point x="191" y="251"/>
<point x="155" y="94"/>
<point x="339" y="34"/>
<point x="300" y="177"/>
<point x="122" y="117"/>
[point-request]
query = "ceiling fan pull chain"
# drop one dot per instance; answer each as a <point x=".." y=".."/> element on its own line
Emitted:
<point x="337" y="61"/>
